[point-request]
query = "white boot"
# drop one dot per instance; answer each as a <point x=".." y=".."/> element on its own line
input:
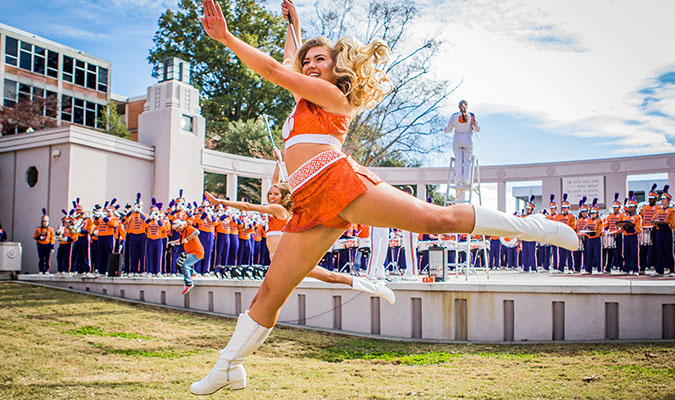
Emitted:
<point x="379" y="289"/>
<point x="229" y="370"/>
<point x="535" y="228"/>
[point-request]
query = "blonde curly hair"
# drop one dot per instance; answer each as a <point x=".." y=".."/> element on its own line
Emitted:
<point x="356" y="69"/>
<point x="285" y="190"/>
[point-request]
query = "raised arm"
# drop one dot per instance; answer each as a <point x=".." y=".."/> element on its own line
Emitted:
<point x="317" y="91"/>
<point x="278" y="211"/>
<point x="290" y="49"/>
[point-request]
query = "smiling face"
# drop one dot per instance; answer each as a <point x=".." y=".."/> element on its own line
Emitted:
<point x="274" y="195"/>
<point x="318" y="63"/>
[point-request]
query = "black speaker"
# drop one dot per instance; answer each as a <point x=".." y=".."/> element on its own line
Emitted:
<point x="115" y="265"/>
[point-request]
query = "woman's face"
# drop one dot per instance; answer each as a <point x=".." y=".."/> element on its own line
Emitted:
<point x="318" y="63"/>
<point x="274" y="196"/>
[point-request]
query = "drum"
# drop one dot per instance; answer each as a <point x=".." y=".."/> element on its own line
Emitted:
<point x="509" y="243"/>
<point x="645" y="236"/>
<point x="395" y="242"/>
<point x="363" y="242"/>
<point x="608" y="240"/>
<point x="582" y="240"/>
<point x="351" y="243"/>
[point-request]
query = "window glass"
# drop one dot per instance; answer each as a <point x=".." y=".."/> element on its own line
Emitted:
<point x="11" y="46"/>
<point x="79" y="64"/>
<point x="38" y="93"/>
<point x="66" y="108"/>
<point x="11" y="50"/>
<point x="103" y="79"/>
<point x="32" y="176"/>
<point x="52" y="64"/>
<point x="9" y="92"/>
<point x="91" y="80"/>
<point x="78" y="111"/>
<point x="24" y="92"/>
<point x="26" y="46"/>
<point x="39" y="50"/>
<point x="39" y="64"/>
<point x="50" y="104"/>
<point x="25" y="59"/>
<point x="67" y="68"/>
<point x="79" y="76"/>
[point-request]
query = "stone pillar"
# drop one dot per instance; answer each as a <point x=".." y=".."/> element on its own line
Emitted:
<point x="615" y="183"/>
<point x="501" y="196"/>
<point x="671" y="181"/>
<point x="551" y="186"/>
<point x="266" y="186"/>
<point x="422" y="191"/>
<point x="231" y="188"/>
<point x="171" y="122"/>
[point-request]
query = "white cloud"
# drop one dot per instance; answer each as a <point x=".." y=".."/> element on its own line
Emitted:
<point x="577" y="66"/>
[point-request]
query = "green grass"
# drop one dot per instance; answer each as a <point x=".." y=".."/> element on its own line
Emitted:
<point x="64" y="345"/>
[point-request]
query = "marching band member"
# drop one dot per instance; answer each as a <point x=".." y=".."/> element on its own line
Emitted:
<point x="464" y="124"/>
<point x="153" y="227"/>
<point x="105" y="228"/>
<point x="136" y="238"/>
<point x="495" y="252"/>
<point x="630" y="236"/>
<point x="189" y="239"/>
<point x="614" y="255"/>
<point x="164" y="236"/>
<point x="379" y="242"/>
<point x="81" y="261"/>
<point x="205" y="221"/>
<point x="178" y="212"/>
<point x="593" y="241"/>
<point x="44" y="237"/>
<point x="664" y="223"/>
<point x="565" y="258"/>
<point x="330" y="84"/>
<point x="580" y="259"/>
<point x="409" y="246"/>
<point x="222" y="239"/>
<point x="363" y="234"/>
<point x="647" y="213"/>
<point x="511" y="251"/>
<point x="528" y="261"/>
<point x="65" y="235"/>
<point x="234" y="238"/>
<point x="245" y="228"/>
<point x="258" y="229"/>
<point x="550" y="252"/>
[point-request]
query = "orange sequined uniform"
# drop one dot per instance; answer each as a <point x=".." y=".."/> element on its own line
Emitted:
<point x="325" y="184"/>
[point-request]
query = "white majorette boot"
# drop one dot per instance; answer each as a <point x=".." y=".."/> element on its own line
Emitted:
<point x="535" y="228"/>
<point x="229" y="369"/>
<point x="379" y="289"/>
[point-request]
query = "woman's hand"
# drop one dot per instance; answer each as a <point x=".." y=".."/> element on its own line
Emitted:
<point x="277" y="154"/>
<point x="214" y="21"/>
<point x="211" y="198"/>
<point x="288" y="9"/>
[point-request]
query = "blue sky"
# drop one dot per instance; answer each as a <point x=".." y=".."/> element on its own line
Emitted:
<point x="548" y="80"/>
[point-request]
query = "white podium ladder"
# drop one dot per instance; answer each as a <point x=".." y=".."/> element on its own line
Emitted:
<point x="461" y="188"/>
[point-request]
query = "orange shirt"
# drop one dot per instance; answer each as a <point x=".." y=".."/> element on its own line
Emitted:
<point x="245" y="231"/>
<point x="568" y="219"/>
<point x="234" y="227"/>
<point x="164" y="233"/>
<point x="153" y="229"/>
<point x="135" y="223"/>
<point x="223" y="226"/>
<point x="647" y="214"/>
<point x="44" y="235"/>
<point x="364" y="231"/>
<point x="193" y="246"/>
<point x="665" y="215"/>
<point x="107" y="228"/>
<point x="276" y="224"/>
<point x="637" y="220"/>
<point x="594" y="225"/>
<point x="258" y="232"/>
<point x="67" y="236"/>
<point x="206" y="224"/>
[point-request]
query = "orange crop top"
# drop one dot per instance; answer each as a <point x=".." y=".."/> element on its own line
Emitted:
<point x="276" y="224"/>
<point x="308" y="123"/>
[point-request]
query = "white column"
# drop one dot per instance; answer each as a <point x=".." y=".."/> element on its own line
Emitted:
<point x="671" y="181"/>
<point x="422" y="191"/>
<point x="266" y="186"/>
<point x="615" y="183"/>
<point x="501" y="196"/>
<point x="231" y="188"/>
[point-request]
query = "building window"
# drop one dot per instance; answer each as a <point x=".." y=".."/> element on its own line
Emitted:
<point x="79" y="72"/>
<point x="11" y="50"/>
<point x="67" y="68"/>
<point x="31" y="176"/>
<point x="52" y="64"/>
<point x="9" y="95"/>
<point x="26" y="56"/>
<point x="39" y="63"/>
<point x="78" y="111"/>
<point x="67" y="108"/>
<point x="91" y="76"/>
<point x="103" y="79"/>
<point x="186" y="123"/>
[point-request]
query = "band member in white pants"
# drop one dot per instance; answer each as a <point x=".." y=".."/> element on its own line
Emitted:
<point x="379" y="245"/>
<point x="411" y="259"/>
<point x="464" y="125"/>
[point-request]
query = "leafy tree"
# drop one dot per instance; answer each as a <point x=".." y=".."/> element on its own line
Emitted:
<point x="29" y="115"/>
<point x="405" y="125"/>
<point x="110" y="119"/>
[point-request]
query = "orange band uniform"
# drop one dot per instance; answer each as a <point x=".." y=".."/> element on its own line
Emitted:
<point x="47" y="235"/>
<point x="637" y="220"/>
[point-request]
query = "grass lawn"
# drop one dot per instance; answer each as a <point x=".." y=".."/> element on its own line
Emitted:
<point x="63" y="345"/>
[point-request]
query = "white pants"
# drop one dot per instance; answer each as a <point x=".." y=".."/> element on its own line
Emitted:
<point x="410" y="247"/>
<point x="463" y="160"/>
<point x="379" y="245"/>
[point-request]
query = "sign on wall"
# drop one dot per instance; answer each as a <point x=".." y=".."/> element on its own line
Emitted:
<point x="589" y="186"/>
